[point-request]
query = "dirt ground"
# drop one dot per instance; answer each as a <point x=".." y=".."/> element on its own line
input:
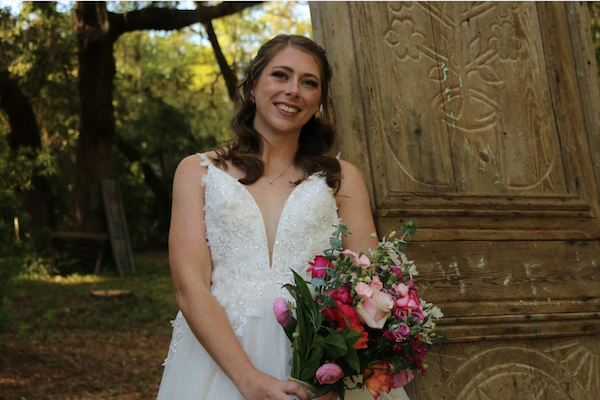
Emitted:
<point x="65" y="344"/>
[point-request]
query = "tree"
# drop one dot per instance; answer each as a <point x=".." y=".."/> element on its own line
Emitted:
<point x="97" y="31"/>
<point x="33" y="61"/>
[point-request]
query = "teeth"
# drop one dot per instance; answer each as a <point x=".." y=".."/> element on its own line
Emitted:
<point x="286" y="108"/>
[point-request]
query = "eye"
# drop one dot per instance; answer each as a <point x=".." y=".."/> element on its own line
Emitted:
<point x="279" y="74"/>
<point x="311" y="83"/>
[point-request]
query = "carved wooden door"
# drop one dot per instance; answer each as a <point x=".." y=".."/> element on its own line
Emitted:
<point x="480" y="120"/>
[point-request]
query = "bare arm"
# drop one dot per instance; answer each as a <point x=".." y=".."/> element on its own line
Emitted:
<point x="189" y="258"/>
<point x="354" y="208"/>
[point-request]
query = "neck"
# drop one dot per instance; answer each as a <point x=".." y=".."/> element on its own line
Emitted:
<point x="279" y="151"/>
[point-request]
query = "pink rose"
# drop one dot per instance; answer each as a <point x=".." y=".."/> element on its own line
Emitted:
<point x="329" y="373"/>
<point x="376" y="283"/>
<point x="401" y="379"/>
<point x="410" y="301"/>
<point x="396" y="270"/>
<point x="282" y="312"/>
<point x="364" y="290"/>
<point x="319" y="269"/>
<point x="376" y="310"/>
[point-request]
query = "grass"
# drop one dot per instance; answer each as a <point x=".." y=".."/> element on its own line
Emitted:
<point x="62" y="343"/>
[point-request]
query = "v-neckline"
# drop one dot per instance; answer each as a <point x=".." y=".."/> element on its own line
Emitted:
<point x="270" y="254"/>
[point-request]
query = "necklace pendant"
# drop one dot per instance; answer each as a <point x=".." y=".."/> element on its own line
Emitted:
<point x="270" y="182"/>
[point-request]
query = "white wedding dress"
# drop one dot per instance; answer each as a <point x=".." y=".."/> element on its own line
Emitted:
<point x="246" y="285"/>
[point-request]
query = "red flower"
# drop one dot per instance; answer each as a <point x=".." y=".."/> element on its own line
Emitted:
<point x="319" y="269"/>
<point x="337" y="315"/>
<point x="342" y="294"/>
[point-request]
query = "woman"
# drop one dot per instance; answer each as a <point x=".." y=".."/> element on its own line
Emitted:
<point x="266" y="204"/>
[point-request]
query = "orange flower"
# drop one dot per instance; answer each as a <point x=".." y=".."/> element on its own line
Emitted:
<point x="378" y="378"/>
<point x="361" y="343"/>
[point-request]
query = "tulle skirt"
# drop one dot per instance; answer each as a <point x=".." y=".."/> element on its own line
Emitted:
<point x="191" y="374"/>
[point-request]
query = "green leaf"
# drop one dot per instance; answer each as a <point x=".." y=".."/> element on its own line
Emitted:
<point x="352" y="359"/>
<point x="311" y="364"/>
<point x="351" y="336"/>
<point x="316" y="282"/>
<point x="336" y="340"/>
<point x="336" y="244"/>
<point x="290" y="329"/>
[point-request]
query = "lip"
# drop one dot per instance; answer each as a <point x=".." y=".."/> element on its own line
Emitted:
<point x="287" y="105"/>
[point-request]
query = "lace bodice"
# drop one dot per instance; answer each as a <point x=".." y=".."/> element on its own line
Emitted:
<point x="237" y="238"/>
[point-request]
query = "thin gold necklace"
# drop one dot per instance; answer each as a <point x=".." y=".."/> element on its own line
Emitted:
<point x="278" y="176"/>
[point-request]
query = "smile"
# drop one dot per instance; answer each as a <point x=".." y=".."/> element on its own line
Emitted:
<point x="287" y="109"/>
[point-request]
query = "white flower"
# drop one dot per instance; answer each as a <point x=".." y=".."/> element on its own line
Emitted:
<point x="436" y="313"/>
<point x="412" y="270"/>
<point x="394" y="257"/>
<point x="405" y="260"/>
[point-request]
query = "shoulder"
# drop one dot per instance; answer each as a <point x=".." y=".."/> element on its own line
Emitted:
<point x="351" y="180"/>
<point x="349" y="170"/>
<point x="190" y="167"/>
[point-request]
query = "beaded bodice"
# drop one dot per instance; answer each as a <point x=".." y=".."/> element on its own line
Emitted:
<point x="242" y="275"/>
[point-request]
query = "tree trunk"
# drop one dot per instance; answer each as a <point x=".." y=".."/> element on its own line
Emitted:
<point x="94" y="146"/>
<point x="97" y="30"/>
<point x="24" y="132"/>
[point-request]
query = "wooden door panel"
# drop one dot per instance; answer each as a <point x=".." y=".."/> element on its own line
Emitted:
<point x="466" y="107"/>
<point x="427" y="75"/>
<point x="544" y="369"/>
<point x="480" y="120"/>
<point x="498" y="289"/>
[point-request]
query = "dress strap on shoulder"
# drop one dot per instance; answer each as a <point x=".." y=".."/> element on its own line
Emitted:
<point x="204" y="160"/>
<point x="339" y="155"/>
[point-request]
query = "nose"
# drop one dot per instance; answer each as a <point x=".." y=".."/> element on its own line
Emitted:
<point x="292" y="88"/>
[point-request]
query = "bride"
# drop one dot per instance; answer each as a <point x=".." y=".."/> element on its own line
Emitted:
<point x="244" y="216"/>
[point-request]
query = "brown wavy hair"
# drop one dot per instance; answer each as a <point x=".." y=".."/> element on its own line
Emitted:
<point x="317" y="136"/>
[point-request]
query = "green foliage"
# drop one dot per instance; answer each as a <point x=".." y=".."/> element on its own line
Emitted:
<point x="314" y="342"/>
<point x="171" y="101"/>
<point x="594" y="14"/>
<point x="38" y="48"/>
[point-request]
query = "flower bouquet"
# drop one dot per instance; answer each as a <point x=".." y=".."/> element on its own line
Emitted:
<point x="360" y="318"/>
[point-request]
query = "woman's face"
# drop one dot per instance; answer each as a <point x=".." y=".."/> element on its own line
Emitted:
<point x="288" y="93"/>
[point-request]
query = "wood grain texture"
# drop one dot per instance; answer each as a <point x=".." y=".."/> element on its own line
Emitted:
<point x="482" y="122"/>
<point x="587" y="77"/>
<point x="336" y="37"/>
<point x="540" y="369"/>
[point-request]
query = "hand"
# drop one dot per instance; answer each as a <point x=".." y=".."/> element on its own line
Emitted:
<point x="260" y="386"/>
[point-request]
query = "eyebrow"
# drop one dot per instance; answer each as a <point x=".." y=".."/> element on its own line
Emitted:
<point x="290" y="69"/>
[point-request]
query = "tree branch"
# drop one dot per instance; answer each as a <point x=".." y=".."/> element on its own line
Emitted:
<point x="226" y="71"/>
<point x="170" y="19"/>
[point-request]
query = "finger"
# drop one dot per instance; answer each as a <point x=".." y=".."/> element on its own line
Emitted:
<point x="294" y="388"/>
